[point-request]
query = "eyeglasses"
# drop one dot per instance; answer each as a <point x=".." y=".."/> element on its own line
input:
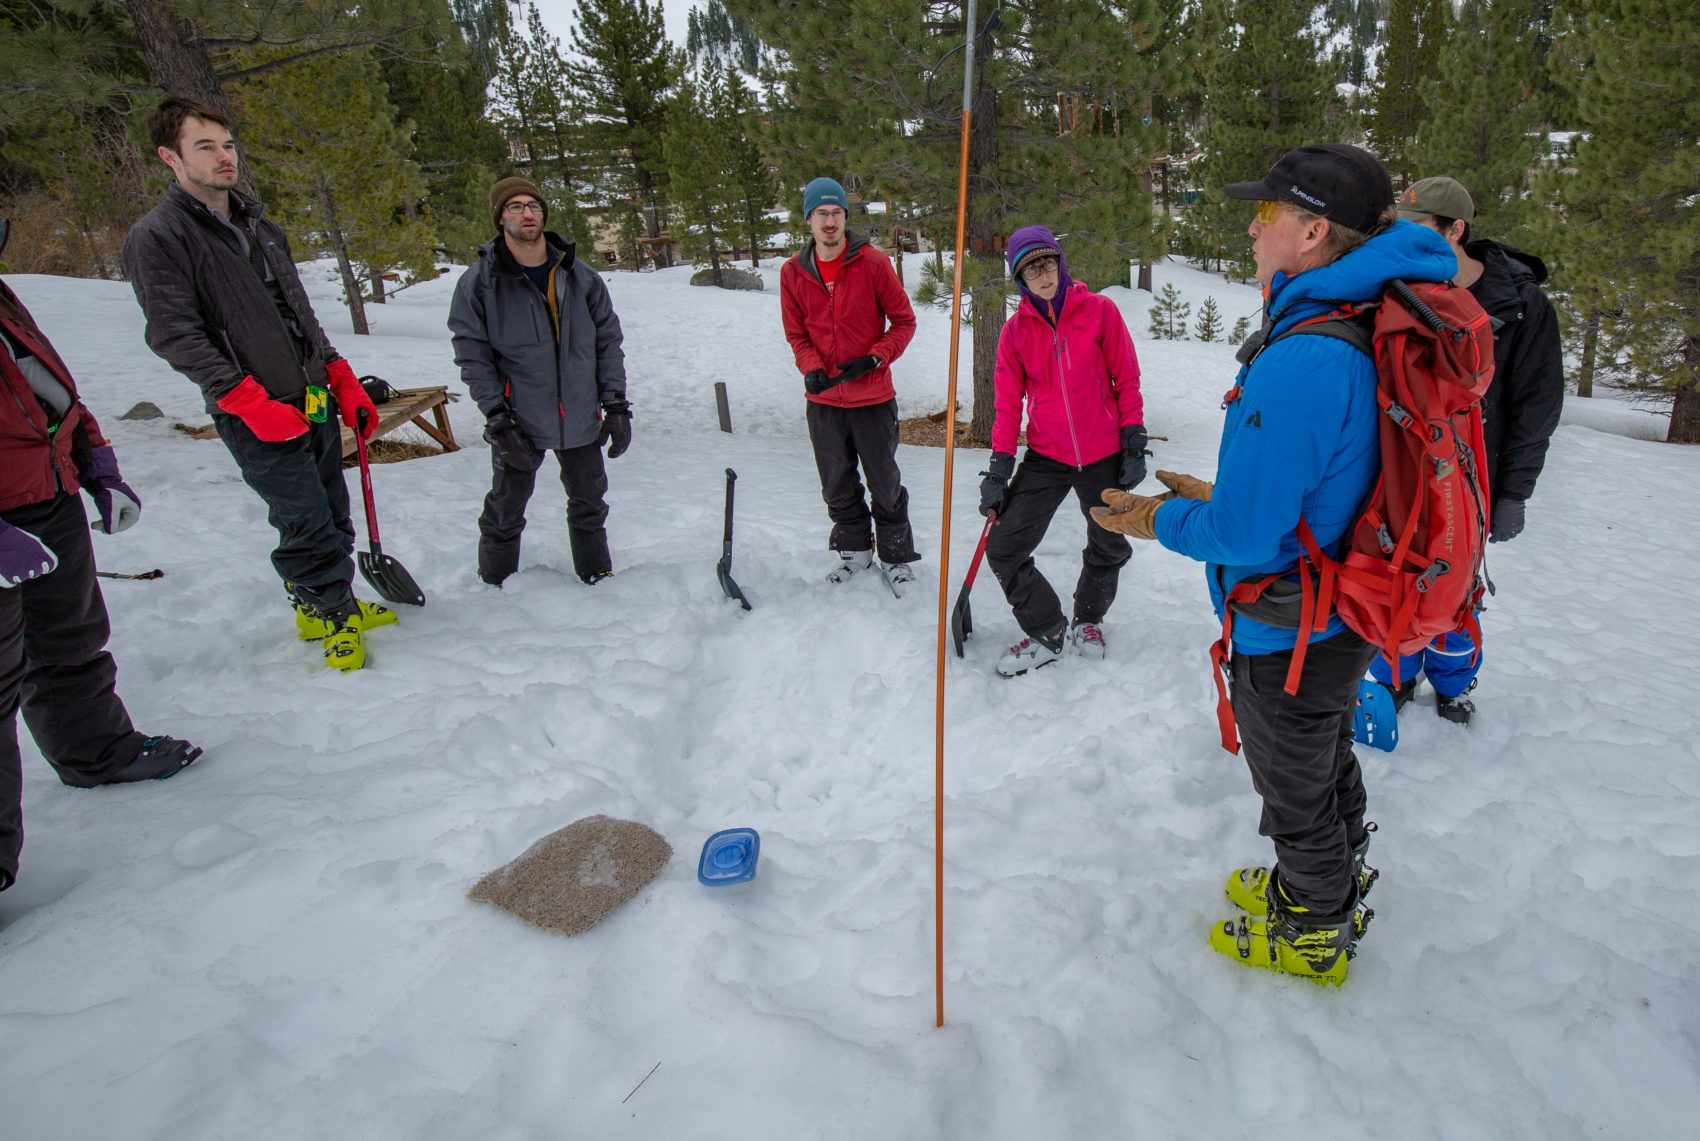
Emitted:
<point x="518" y="208"/>
<point x="1034" y="270"/>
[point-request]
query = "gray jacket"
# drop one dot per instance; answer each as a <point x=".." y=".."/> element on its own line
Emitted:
<point x="210" y="314"/>
<point x="508" y="354"/>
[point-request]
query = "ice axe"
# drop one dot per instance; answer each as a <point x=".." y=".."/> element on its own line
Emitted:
<point x="388" y="577"/>
<point x="961" y="618"/>
<point x="724" y="567"/>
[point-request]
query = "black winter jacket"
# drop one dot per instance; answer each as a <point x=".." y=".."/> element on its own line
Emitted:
<point x="1521" y="408"/>
<point x="508" y="353"/>
<point x="209" y="314"/>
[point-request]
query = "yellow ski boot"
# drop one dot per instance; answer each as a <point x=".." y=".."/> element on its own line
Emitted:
<point x="1248" y="888"/>
<point x="345" y="648"/>
<point x="1293" y="941"/>
<point x="310" y="627"/>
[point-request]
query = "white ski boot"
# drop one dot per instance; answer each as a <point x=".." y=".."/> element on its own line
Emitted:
<point x="1087" y="640"/>
<point x="1031" y="654"/>
<point x="898" y="576"/>
<point x="849" y="562"/>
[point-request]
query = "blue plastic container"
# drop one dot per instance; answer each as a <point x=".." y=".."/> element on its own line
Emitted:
<point x="729" y="857"/>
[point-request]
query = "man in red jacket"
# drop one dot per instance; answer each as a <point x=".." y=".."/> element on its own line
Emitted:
<point x="847" y="318"/>
<point x="53" y="625"/>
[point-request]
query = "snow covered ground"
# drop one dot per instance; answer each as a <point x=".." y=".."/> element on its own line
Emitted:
<point x="277" y="943"/>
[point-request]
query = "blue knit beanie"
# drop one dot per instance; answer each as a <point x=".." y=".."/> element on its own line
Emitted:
<point x="823" y="192"/>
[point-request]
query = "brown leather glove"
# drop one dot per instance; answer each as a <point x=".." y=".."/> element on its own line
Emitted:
<point x="1130" y="514"/>
<point x="1184" y="486"/>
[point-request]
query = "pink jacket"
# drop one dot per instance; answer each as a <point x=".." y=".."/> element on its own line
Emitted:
<point x="1080" y="381"/>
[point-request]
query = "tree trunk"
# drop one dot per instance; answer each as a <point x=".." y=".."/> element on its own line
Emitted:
<point x="897" y="255"/>
<point x="987" y="282"/>
<point x="178" y="64"/>
<point x="1590" y="353"/>
<point x="378" y="297"/>
<point x="350" y="283"/>
<point x="1145" y="275"/>
<point x="1685" y="408"/>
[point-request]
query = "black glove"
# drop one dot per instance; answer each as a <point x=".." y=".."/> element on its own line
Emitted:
<point x="815" y="381"/>
<point x="861" y="366"/>
<point x="1507" y="520"/>
<point x="1133" y="457"/>
<point x="503" y="433"/>
<point x="997" y="479"/>
<point x="616" y="426"/>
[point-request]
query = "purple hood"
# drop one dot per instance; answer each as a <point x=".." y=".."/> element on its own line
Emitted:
<point x="1039" y="237"/>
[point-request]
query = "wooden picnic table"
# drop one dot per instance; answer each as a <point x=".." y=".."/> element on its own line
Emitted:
<point x="407" y="406"/>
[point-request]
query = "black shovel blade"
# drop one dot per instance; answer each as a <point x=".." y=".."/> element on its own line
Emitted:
<point x="390" y="579"/>
<point x="961" y="620"/>
<point x="723" y="568"/>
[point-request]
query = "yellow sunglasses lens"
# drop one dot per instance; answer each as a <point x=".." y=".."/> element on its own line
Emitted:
<point x="1267" y="210"/>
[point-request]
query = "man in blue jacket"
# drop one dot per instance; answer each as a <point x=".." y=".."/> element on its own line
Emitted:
<point x="1300" y="440"/>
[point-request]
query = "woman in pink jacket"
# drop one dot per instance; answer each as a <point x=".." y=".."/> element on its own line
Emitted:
<point x="1065" y="354"/>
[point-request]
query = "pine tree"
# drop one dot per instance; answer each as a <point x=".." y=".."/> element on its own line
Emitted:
<point x="752" y="179"/>
<point x="327" y="140"/>
<point x="699" y="144"/>
<point x="1268" y="88"/>
<point x="1209" y="326"/>
<point x="1242" y="330"/>
<point x="529" y="99"/>
<point x="1483" y="114"/>
<point x="622" y="89"/>
<point x="1635" y="190"/>
<point x="1169" y="315"/>
<point x="1416" y="35"/>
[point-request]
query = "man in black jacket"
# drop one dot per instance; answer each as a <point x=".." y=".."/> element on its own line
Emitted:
<point x="226" y="308"/>
<point x="1519" y="413"/>
<point x="540" y="349"/>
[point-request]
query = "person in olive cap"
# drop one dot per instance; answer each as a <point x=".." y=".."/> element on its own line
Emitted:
<point x="563" y="393"/>
<point x="847" y="319"/>
<point x="54" y="664"/>
<point x="1519" y="412"/>
<point x="1299" y="440"/>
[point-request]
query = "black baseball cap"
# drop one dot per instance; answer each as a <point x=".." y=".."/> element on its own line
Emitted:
<point x="1342" y="183"/>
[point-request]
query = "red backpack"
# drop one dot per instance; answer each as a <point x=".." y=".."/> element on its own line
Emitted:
<point x="1412" y="566"/>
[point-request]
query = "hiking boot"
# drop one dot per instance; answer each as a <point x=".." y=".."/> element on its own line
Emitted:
<point x="849" y="562"/>
<point x="595" y="577"/>
<point x="345" y="649"/>
<point x="1032" y="654"/>
<point x="1248" y="888"/>
<point x="159" y="758"/>
<point x="1087" y="640"/>
<point x="1402" y="693"/>
<point x="309" y="627"/>
<point x="1293" y="941"/>
<point x="1458" y="709"/>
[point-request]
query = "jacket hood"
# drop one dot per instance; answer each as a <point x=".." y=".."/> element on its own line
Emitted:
<point x="1033" y="236"/>
<point x="853" y="243"/>
<point x="502" y="259"/>
<point x="1404" y="250"/>
<point x="1506" y="273"/>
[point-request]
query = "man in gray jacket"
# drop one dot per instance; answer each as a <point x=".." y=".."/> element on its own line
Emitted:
<point x="226" y="308"/>
<point x="539" y="347"/>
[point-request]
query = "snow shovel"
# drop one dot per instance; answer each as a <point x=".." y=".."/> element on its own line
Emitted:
<point x="388" y="577"/>
<point x="724" y="567"/>
<point x="961" y="618"/>
<point x="1374" y="720"/>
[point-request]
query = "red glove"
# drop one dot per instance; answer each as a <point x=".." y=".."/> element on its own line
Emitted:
<point x="351" y="398"/>
<point x="271" y="420"/>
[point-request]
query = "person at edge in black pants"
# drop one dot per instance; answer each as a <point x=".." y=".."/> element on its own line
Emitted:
<point x="54" y="665"/>
<point x="540" y="349"/>
<point x="1066" y="355"/>
<point x="225" y="307"/>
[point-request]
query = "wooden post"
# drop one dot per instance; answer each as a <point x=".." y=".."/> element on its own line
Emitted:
<point x="722" y="406"/>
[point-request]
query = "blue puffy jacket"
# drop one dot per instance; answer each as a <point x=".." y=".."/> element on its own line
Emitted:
<point x="1302" y="439"/>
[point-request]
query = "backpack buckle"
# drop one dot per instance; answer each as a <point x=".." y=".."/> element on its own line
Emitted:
<point x="1384" y="538"/>
<point x="1399" y="416"/>
<point x="1434" y="571"/>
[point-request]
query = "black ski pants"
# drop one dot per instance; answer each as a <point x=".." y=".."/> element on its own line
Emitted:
<point x="844" y="438"/>
<point x="54" y="666"/>
<point x="307" y="503"/>
<point x="500" y="525"/>
<point x="1299" y="749"/>
<point x="1029" y="504"/>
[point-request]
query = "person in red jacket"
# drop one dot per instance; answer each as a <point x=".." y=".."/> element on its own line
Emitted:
<point x="53" y="624"/>
<point x="1065" y="354"/>
<point x="847" y="318"/>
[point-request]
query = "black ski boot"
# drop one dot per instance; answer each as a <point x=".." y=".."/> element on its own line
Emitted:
<point x="1456" y="709"/>
<point x="1402" y="694"/>
<point x="160" y="758"/>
